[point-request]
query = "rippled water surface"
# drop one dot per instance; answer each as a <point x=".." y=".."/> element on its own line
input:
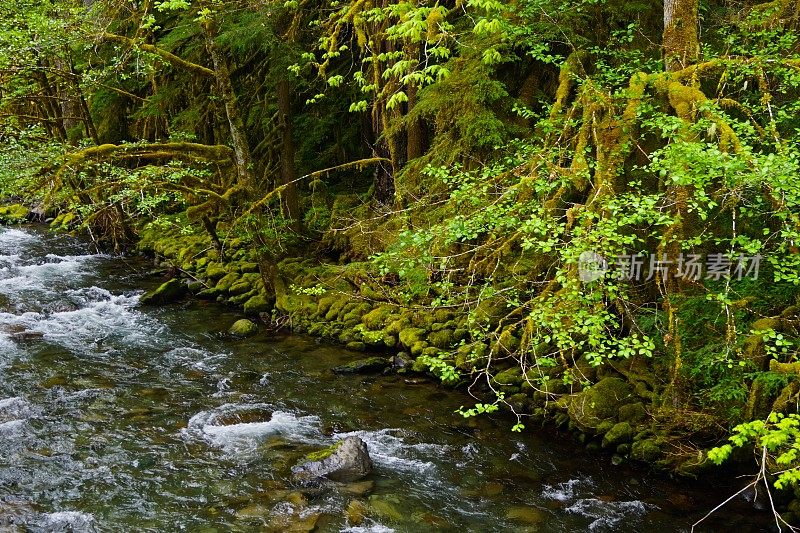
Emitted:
<point x="120" y="418"/>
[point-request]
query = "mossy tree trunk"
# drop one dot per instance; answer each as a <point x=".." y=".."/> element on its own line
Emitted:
<point x="681" y="45"/>
<point x="222" y="76"/>
<point x="681" y="40"/>
<point x="290" y="203"/>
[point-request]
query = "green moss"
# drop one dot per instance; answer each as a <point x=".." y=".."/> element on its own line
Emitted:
<point x="512" y="376"/>
<point x="418" y="348"/>
<point x="353" y="314"/>
<point x="376" y="319"/>
<point x="471" y="355"/>
<point x="240" y="287"/>
<point x="168" y="292"/>
<point x="364" y="366"/>
<point x="240" y="299"/>
<point x="632" y="413"/>
<point x="394" y="327"/>
<point x="356" y="346"/>
<point x="257" y="304"/>
<point x="210" y="293"/>
<point x="215" y="271"/>
<point x="14" y="214"/>
<point x="324" y="453"/>
<point x="410" y="336"/>
<point x="647" y="450"/>
<point x="63" y="220"/>
<point x="243" y="328"/>
<point x="224" y="284"/>
<point x="618" y="434"/>
<point x="442" y="339"/>
<point x="247" y="267"/>
<point x="600" y="402"/>
<point x="336" y="308"/>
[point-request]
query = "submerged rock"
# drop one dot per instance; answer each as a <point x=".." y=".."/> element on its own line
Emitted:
<point x="364" y="366"/>
<point x="168" y="292"/>
<point x="243" y="328"/>
<point x="356" y="512"/>
<point x="347" y="460"/>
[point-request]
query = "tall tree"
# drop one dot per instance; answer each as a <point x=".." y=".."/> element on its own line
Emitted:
<point x="681" y="41"/>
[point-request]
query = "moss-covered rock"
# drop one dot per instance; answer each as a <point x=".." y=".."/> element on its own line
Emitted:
<point x="760" y="399"/>
<point x="632" y="413"/>
<point x="240" y="287"/>
<point x="324" y="453"/>
<point x="240" y="299"/>
<point x="377" y="318"/>
<point x="247" y="267"/>
<point x="215" y="271"/>
<point x="410" y="336"/>
<point x="64" y="221"/>
<point x="787" y="400"/>
<point x="364" y="366"/>
<point x="442" y="338"/>
<point x="227" y="281"/>
<point x="646" y="450"/>
<point x="470" y="356"/>
<point x="545" y="390"/>
<point x="600" y="402"/>
<point x="211" y="293"/>
<point x="619" y="433"/>
<point x="13" y="214"/>
<point x="356" y="346"/>
<point x="509" y="377"/>
<point x="243" y="328"/>
<point x="418" y="348"/>
<point x="167" y="292"/>
<point x="258" y="304"/>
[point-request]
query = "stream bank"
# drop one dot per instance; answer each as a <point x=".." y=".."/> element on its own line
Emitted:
<point x="115" y="415"/>
<point x="614" y="410"/>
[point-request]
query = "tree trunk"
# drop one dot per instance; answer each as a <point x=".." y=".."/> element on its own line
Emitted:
<point x="681" y="40"/>
<point x="681" y="44"/>
<point x="290" y="204"/>
<point x="241" y="148"/>
<point x="91" y="130"/>
<point x="384" y="172"/>
<point x="49" y="102"/>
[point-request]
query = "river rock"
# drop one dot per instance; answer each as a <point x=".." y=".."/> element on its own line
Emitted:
<point x="369" y="365"/>
<point x="168" y="292"/>
<point x="243" y="328"/>
<point x="347" y="461"/>
<point x="358" y="488"/>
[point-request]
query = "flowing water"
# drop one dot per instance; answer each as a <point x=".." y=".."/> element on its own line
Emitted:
<point x="115" y="417"/>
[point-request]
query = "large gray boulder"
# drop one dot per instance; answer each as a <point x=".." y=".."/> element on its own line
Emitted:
<point x="348" y="460"/>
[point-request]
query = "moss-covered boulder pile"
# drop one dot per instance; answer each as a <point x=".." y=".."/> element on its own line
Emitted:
<point x="13" y="214"/>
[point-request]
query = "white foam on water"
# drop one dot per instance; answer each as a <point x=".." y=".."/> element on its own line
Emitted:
<point x="374" y="528"/>
<point x="245" y="436"/>
<point x="15" y="409"/>
<point x="566" y="491"/>
<point x="607" y="514"/>
<point x="388" y="449"/>
<point x="69" y="521"/>
<point x="16" y="278"/>
<point x="103" y="318"/>
<point x="12" y="238"/>
<point x="12" y="428"/>
<point x="187" y="356"/>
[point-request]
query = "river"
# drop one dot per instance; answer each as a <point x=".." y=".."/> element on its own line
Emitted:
<point x="116" y="417"/>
